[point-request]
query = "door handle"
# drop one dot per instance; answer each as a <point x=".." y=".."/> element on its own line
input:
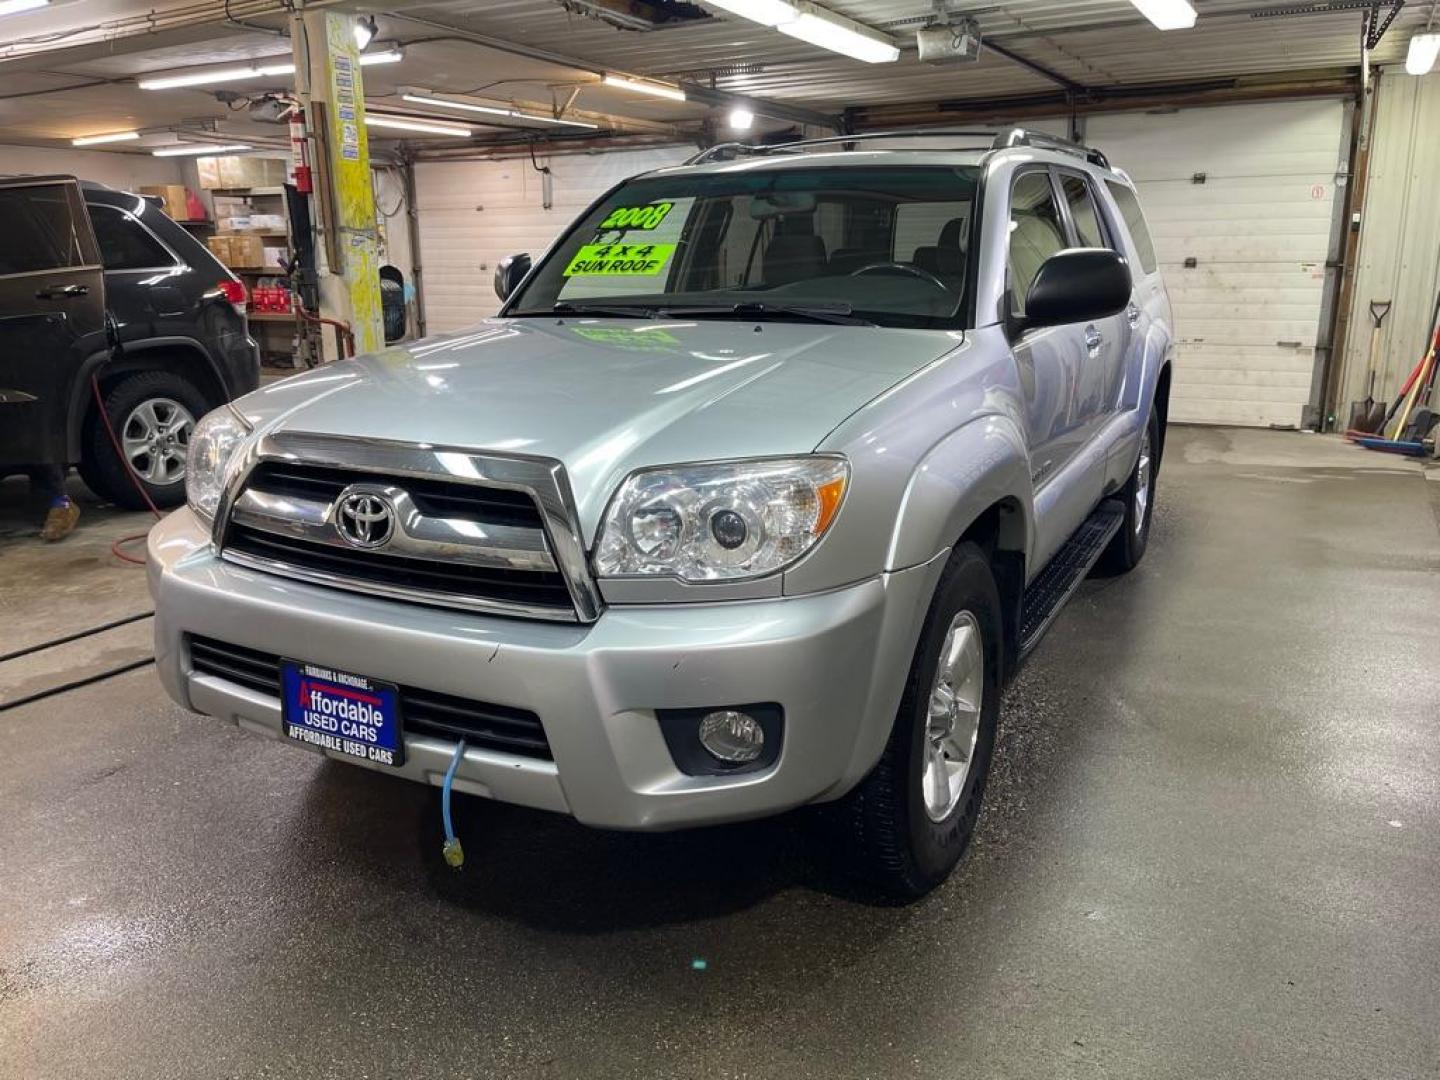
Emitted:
<point x="61" y="292"/>
<point x="1132" y="316"/>
<point x="1093" y="340"/>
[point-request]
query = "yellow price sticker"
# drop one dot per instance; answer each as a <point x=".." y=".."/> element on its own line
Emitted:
<point x="620" y="260"/>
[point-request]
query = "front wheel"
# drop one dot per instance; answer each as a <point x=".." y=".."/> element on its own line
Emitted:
<point x="913" y="816"/>
<point x="1127" y="547"/>
<point x="152" y="414"/>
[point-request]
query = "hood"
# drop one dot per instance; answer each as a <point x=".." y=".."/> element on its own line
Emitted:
<point x="606" y="396"/>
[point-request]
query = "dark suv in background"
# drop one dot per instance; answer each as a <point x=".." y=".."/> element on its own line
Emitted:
<point x="100" y="283"/>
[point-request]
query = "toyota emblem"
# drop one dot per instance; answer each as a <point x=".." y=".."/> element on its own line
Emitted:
<point x="364" y="517"/>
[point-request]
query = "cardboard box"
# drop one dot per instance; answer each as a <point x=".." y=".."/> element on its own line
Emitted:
<point x="249" y="172"/>
<point x="172" y="198"/>
<point x="246" y="252"/>
<point x="219" y="247"/>
<point x="208" y="169"/>
<point x="227" y="206"/>
<point x="273" y="256"/>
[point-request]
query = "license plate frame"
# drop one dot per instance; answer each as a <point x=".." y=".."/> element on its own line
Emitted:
<point x="342" y="712"/>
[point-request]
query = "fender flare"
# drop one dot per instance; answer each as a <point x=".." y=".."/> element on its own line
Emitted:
<point x="131" y="355"/>
<point x="978" y="465"/>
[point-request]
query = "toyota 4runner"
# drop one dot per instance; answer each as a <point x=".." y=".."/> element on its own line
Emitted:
<point x="760" y="487"/>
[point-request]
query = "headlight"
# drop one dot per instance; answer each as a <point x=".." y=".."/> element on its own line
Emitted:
<point x="207" y="462"/>
<point x="720" y="522"/>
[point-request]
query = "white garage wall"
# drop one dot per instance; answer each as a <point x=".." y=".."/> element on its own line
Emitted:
<point x="118" y="170"/>
<point x="474" y="213"/>
<point x="1248" y="315"/>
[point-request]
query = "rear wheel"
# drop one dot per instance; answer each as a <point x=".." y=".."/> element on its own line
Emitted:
<point x="153" y="414"/>
<point x="915" y="813"/>
<point x="1127" y="547"/>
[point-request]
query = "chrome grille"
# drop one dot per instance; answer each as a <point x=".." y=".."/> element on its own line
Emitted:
<point x="449" y="541"/>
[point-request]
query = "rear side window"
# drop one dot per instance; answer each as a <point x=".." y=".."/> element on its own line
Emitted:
<point x="40" y="224"/>
<point x="1035" y="233"/>
<point x="1135" y="224"/>
<point x="1088" y="230"/>
<point x="124" y="242"/>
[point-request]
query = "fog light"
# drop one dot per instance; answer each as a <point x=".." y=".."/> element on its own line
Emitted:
<point x="731" y="736"/>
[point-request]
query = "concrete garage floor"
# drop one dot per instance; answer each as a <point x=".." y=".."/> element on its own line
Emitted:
<point x="1209" y="850"/>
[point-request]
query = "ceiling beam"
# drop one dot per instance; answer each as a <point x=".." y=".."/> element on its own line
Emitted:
<point x="706" y="95"/>
<point x="1100" y="99"/>
<point x="1033" y="66"/>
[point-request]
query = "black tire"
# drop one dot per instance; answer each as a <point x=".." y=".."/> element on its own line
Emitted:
<point x="906" y="852"/>
<point x="102" y="468"/>
<point x="1127" y="546"/>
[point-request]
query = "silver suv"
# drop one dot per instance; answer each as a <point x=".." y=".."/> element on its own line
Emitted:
<point x="765" y="480"/>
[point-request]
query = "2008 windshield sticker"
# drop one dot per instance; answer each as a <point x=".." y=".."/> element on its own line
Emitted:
<point x="636" y="217"/>
<point x="614" y="260"/>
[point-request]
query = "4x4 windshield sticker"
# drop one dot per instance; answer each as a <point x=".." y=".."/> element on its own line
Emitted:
<point x="617" y="260"/>
<point x="636" y="217"/>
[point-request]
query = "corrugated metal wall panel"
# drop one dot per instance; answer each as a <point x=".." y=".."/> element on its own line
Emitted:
<point x="474" y="213"/>
<point x="1399" y="257"/>
<point x="1259" y="228"/>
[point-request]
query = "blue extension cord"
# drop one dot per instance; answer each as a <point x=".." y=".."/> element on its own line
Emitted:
<point x="453" y="852"/>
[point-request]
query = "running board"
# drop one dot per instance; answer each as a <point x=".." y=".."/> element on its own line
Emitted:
<point x="1049" y="592"/>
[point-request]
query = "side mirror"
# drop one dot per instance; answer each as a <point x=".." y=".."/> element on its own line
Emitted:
<point x="509" y="272"/>
<point x="1077" y="285"/>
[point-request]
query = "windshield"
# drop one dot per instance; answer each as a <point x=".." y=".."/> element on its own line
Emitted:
<point x="882" y="245"/>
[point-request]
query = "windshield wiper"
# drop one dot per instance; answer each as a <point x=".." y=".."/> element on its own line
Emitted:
<point x="839" y="314"/>
<point x="621" y="311"/>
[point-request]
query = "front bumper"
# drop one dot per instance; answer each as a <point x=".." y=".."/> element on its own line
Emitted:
<point x="836" y="662"/>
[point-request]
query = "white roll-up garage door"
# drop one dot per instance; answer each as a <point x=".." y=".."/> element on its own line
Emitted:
<point x="1248" y="193"/>
<point x="474" y="213"/>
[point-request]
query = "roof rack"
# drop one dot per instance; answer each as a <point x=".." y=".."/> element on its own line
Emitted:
<point x="1018" y="136"/>
<point x="993" y="140"/>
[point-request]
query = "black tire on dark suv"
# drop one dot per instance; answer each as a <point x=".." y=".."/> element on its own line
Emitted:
<point x="152" y="414"/>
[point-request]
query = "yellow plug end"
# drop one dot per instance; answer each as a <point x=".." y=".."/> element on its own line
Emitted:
<point x="454" y="854"/>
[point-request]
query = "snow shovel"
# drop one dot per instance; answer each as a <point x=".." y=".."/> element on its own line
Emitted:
<point x="1369" y="415"/>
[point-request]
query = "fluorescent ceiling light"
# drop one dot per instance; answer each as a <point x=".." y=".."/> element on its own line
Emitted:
<point x="199" y="151"/>
<point x="217" y="75"/>
<point x="14" y="7"/>
<point x="1420" y="57"/>
<point x="1167" y="14"/>
<point x="494" y="110"/>
<point x="251" y="71"/>
<point x="415" y="123"/>
<point x="96" y="140"/>
<point x="741" y="118"/>
<point x="764" y="12"/>
<point x="842" y="35"/>
<point x="644" y="86"/>
<point x="388" y="56"/>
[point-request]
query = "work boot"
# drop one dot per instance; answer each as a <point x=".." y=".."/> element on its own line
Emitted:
<point x="60" y="521"/>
